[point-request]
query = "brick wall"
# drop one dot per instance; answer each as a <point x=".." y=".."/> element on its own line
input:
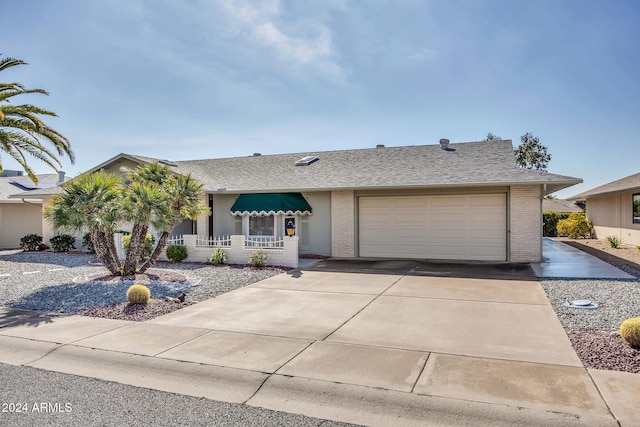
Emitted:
<point x="526" y="223"/>
<point x="343" y="224"/>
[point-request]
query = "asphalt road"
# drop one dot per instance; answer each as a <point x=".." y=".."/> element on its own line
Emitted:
<point x="30" y="396"/>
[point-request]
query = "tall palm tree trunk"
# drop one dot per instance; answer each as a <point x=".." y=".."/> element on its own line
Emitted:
<point x="104" y="252"/>
<point x="136" y="245"/>
<point x="113" y="251"/>
<point x="157" y="251"/>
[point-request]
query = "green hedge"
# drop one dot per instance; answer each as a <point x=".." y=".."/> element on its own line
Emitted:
<point x="550" y="220"/>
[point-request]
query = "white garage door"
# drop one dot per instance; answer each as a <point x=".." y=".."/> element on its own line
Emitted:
<point x="464" y="227"/>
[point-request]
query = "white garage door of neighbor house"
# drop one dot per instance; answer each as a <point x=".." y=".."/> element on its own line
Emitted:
<point x="464" y="227"/>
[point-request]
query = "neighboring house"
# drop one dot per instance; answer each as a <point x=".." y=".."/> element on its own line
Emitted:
<point x="614" y="209"/>
<point x="21" y="216"/>
<point x="463" y="201"/>
<point x="561" y="206"/>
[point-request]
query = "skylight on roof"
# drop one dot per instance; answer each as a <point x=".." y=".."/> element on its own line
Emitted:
<point x="307" y="160"/>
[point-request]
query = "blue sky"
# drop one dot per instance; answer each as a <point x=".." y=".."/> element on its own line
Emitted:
<point x="222" y="78"/>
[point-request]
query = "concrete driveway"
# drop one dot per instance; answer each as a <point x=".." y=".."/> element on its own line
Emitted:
<point x="367" y="342"/>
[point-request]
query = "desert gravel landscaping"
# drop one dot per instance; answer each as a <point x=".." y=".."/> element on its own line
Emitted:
<point x="594" y="333"/>
<point x="67" y="283"/>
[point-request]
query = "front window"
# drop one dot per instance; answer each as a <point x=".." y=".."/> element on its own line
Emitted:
<point x="261" y="225"/>
<point x="636" y="208"/>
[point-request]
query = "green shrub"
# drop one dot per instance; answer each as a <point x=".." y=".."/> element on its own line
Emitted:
<point x="550" y="220"/>
<point x="63" y="243"/>
<point x="218" y="257"/>
<point x="258" y="258"/>
<point x="146" y="250"/>
<point x="575" y="226"/>
<point x="614" y="241"/>
<point x="138" y="294"/>
<point x="176" y="253"/>
<point x="87" y="243"/>
<point x="31" y="242"/>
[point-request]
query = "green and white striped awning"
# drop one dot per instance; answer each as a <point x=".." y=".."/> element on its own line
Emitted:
<point x="271" y="204"/>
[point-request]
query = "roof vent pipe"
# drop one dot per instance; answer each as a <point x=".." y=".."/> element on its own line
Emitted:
<point x="444" y="144"/>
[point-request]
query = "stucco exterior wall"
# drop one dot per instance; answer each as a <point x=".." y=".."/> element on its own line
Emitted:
<point x="612" y="215"/>
<point x="46" y="226"/>
<point x="16" y="221"/>
<point x="116" y="168"/>
<point x="319" y="232"/>
<point x="343" y="224"/>
<point x="223" y="223"/>
<point x="525" y="223"/>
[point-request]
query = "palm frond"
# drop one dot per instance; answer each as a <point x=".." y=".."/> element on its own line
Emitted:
<point x="23" y="133"/>
<point x="9" y="62"/>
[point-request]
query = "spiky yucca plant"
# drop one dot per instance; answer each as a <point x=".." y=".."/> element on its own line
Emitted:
<point x="614" y="241"/>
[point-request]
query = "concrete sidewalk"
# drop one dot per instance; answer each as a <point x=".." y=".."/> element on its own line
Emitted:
<point x="560" y="260"/>
<point x="373" y="349"/>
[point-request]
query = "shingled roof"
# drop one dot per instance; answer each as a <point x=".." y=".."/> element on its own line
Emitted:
<point x="560" y="205"/>
<point x="421" y="166"/>
<point x="418" y="167"/>
<point x="629" y="183"/>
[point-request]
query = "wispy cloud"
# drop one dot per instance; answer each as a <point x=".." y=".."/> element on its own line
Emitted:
<point x="294" y="42"/>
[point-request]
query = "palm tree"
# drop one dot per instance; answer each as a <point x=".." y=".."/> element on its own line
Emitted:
<point x="144" y="204"/>
<point x="185" y="197"/>
<point x="94" y="202"/>
<point x="187" y="203"/>
<point x="22" y="132"/>
<point x="101" y="203"/>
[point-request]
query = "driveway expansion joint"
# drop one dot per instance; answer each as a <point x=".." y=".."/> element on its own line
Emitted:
<point x="363" y="308"/>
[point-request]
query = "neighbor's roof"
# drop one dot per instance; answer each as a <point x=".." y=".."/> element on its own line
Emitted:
<point x="421" y="166"/>
<point x="629" y="183"/>
<point x="559" y="205"/>
<point x="23" y="186"/>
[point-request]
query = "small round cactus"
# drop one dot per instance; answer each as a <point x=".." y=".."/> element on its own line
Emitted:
<point x="630" y="331"/>
<point x="138" y="294"/>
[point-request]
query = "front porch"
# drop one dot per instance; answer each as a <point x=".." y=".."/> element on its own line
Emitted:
<point x="280" y="251"/>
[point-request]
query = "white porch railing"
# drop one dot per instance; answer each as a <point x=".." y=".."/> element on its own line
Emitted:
<point x="213" y="242"/>
<point x="264" y="242"/>
<point x="282" y="251"/>
<point x="174" y="240"/>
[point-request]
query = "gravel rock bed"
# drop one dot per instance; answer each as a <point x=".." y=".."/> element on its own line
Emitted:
<point x="593" y="333"/>
<point x="605" y="350"/>
<point x="135" y="312"/>
<point x="9" y="259"/>
<point x="61" y="283"/>
<point x="617" y="300"/>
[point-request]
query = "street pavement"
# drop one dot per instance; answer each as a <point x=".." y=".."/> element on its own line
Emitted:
<point x="33" y="397"/>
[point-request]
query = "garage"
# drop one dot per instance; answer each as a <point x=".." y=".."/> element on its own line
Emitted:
<point x="470" y="227"/>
